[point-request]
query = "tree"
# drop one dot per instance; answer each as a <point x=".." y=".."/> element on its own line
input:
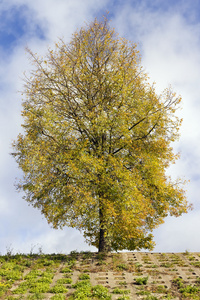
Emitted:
<point x="96" y="142"/>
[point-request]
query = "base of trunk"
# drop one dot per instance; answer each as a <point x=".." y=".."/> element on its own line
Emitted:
<point x="104" y="245"/>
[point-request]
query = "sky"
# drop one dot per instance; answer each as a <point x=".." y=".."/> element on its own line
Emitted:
<point x="168" y="38"/>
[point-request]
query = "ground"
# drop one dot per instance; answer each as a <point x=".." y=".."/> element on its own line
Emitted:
<point x="130" y="275"/>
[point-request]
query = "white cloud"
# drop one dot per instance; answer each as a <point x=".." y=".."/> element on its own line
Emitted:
<point x="179" y="234"/>
<point x="59" y="18"/>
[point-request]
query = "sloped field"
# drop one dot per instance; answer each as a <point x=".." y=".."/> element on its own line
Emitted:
<point x="134" y="275"/>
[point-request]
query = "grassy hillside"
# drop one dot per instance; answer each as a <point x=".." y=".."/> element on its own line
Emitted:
<point x="135" y="275"/>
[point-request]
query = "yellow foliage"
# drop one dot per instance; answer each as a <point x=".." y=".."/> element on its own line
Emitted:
<point x="96" y="141"/>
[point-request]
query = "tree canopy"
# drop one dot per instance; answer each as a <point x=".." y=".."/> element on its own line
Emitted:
<point x="97" y="141"/>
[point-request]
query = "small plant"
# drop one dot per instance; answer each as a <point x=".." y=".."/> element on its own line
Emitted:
<point x="196" y="264"/>
<point x="151" y="297"/>
<point x="32" y="274"/>
<point x="101" y="256"/>
<point x="84" y="276"/>
<point x="141" y="280"/>
<point x="86" y="271"/>
<point x="154" y="266"/>
<point x="120" y="291"/>
<point x="71" y="263"/>
<point x="58" y="288"/>
<point x="166" y="265"/>
<point x="22" y="288"/>
<point x="81" y="284"/>
<point x="32" y="252"/>
<point x="179" y="282"/>
<point x="124" y="297"/>
<point x="74" y="254"/>
<point x="87" y="255"/>
<point x="67" y="275"/>
<point x="101" y="262"/>
<point x="39" y="287"/>
<point x="9" y="251"/>
<point x="189" y="290"/>
<point x="168" y="296"/>
<point x="191" y="258"/>
<point x="66" y="270"/>
<point x="160" y="289"/>
<point x="4" y="287"/>
<point x="28" y="263"/>
<point x="122" y="283"/>
<point x="198" y="280"/>
<point x="138" y="267"/>
<point x="83" y="290"/>
<point x="13" y="298"/>
<point x="143" y="292"/>
<point x="36" y="296"/>
<point x="58" y="297"/>
<point x="122" y="267"/>
<point x="44" y="280"/>
<point x="64" y="281"/>
<point x="100" y="292"/>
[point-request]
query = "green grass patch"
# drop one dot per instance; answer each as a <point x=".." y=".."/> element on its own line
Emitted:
<point x="58" y="289"/>
<point x="66" y="270"/>
<point x="64" y="281"/>
<point x="120" y="291"/>
<point x="85" y="291"/>
<point x="124" y="297"/>
<point x="101" y="292"/>
<point x="122" y="267"/>
<point x="39" y="287"/>
<point x="84" y="276"/>
<point x="58" y="297"/>
<point x="36" y="296"/>
<point x="141" y="280"/>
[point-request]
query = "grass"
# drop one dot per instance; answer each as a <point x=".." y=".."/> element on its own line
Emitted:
<point x="120" y="291"/>
<point x="141" y="280"/>
<point x="40" y="276"/>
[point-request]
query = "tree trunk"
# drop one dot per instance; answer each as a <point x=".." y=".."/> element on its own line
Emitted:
<point x="104" y="245"/>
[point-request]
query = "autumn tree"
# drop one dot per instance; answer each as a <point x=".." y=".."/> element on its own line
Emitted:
<point x="97" y="141"/>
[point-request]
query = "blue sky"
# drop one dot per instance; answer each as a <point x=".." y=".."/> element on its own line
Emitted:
<point x="168" y="37"/>
<point x="16" y="27"/>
